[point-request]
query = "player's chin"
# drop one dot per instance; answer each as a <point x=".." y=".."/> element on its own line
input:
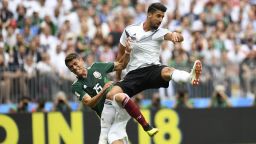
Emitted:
<point x="155" y="27"/>
<point x="77" y="73"/>
<point x="80" y="74"/>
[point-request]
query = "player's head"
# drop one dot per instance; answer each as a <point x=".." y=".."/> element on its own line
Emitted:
<point x="75" y="64"/>
<point x="156" y="14"/>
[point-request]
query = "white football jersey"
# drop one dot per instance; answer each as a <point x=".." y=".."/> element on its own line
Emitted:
<point x="145" y="46"/>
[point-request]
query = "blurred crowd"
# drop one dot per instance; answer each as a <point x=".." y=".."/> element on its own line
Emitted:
<point x="36" y="35"/>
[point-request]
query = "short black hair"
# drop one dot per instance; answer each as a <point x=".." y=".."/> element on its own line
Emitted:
<point x="156" y="6"/>
<point x="70" y="57"/>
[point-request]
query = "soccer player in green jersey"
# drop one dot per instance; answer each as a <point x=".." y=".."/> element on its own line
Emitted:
<point x="91" y="87"/>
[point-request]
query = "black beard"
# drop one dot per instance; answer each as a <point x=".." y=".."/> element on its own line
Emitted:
<point x="153" y="27"/>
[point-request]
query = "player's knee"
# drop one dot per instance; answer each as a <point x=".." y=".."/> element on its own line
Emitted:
<point x="120" y="141"/>
<point x="166" y="72"/>
<point x="109" y="96"/>
<point x="120" y="97"/>
<point x="113" y="91"/>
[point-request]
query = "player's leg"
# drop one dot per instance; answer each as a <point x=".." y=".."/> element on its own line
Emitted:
<point x="121" y="141"/>
<point x="116" y="89"/>
<point x="133" y="83"/>
<point x="117" y="133"/>
<point x="169" y="73"/>
<point x="107" y="119"/>
<point x="123" y="102"/>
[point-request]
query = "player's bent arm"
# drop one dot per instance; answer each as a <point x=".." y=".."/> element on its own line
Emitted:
<point x="92" y="101"/>
<point x="174" y="37"/>
<point x="122" y="63"/>
<point x="121" y="51"/>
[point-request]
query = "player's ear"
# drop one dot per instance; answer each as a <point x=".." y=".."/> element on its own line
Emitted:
<point x="150" y="14"/>
<point x="80" y="59"/>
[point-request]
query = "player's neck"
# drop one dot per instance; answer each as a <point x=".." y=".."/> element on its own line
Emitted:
<point x="146" y="26"/>
<point x="84" y="75"/>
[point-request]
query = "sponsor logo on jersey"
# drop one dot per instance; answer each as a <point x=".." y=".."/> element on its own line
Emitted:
<point x="97" y="75"/>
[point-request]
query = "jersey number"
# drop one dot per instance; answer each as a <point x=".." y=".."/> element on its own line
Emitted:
<point x="97" y="88"/>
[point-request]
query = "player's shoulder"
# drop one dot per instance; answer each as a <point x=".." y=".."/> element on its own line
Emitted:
<point x="132" y="26"/>
<point x="97" y="64"/>
<point x="76" y="83"/>
<point x="160" y="33"/>
<point x="162" y="29"/>
<point x="93" y="65"/>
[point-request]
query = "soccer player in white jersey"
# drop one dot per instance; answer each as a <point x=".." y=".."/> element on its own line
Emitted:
<point x="144" y="70"/>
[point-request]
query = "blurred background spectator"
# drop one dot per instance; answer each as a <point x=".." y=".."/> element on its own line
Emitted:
<point x="182" y="100"/>
<point x="23" y="104"/>
<point x="155" y="103"/>
<point x="40" y="107"/>
<point x="219" y="98"/>
<point x="61" y="103"/>
<point x="35" y="37"/>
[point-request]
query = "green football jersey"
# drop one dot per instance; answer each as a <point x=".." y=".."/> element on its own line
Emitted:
<point x="93" y="83"/>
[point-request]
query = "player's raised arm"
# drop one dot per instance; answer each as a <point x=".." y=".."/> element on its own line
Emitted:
<point x="174" y="37"/>
<point x="121" y="51"/>
<point x="93" y="101"/>
<point x="124" y="59"/>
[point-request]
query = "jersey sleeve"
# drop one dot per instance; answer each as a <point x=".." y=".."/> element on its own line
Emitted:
<point x="105" y="67"/>
<point x="77" y="89"/>
<point x="159" y="35"/>
<point x="123" y="38"/>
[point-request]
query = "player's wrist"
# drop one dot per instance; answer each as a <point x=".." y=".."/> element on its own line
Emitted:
<point x="127" y="52"/>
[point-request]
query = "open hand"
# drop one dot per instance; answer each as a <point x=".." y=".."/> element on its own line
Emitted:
<point x="107" y="85"/>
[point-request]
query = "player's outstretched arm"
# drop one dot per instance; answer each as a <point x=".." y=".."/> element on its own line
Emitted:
<point x="93" y="101"/>
<point x="174" y="37"/>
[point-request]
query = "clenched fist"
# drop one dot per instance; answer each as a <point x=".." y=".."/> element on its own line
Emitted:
<point x="176" y="37"/>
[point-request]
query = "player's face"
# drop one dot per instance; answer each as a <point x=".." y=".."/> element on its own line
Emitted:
<point x="156" y="19"/>
<point x="77" y="67"/>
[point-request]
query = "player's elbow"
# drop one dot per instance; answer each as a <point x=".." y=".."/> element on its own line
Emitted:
<point x="181" y="38"/>
<point x="120" y="66"/>
<point x="125" y="64"/>
<point x="88" y="102"/>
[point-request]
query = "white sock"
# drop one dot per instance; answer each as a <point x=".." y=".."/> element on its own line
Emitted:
<point x="180" y="76"/>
